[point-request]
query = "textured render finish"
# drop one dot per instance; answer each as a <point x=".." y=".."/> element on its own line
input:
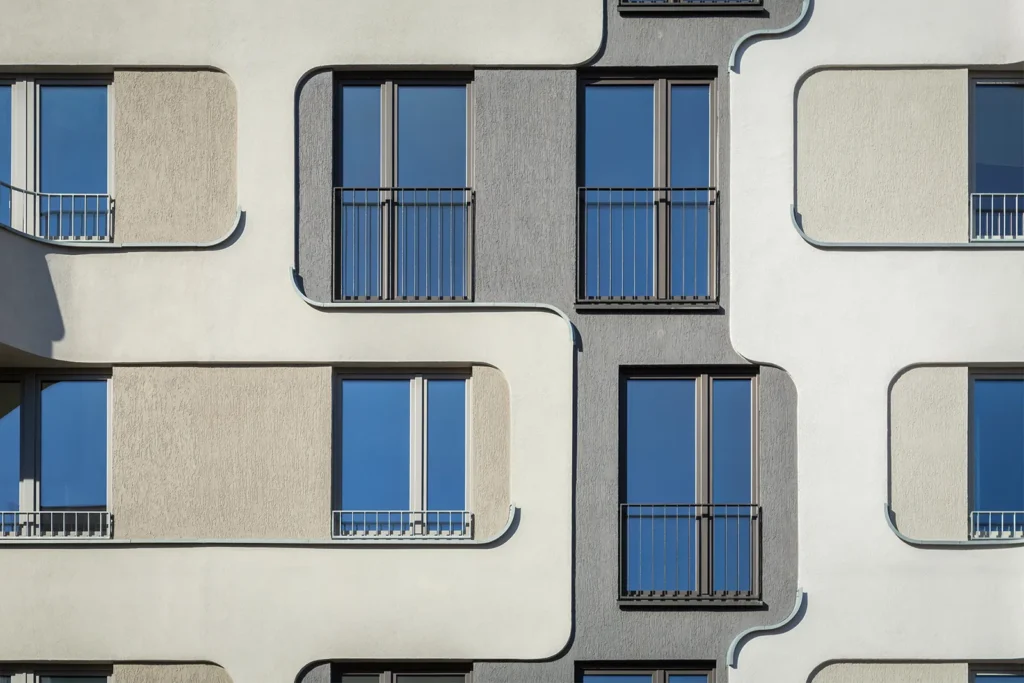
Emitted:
<point x="201" y="452"/>
<point x="490" y="440"/>
<point x="169" y="673"/>
<point x="845" y="324"/>
<point x="175" y="140"/>
<point x="928" y="453"/>
<point x="882" y="155"/>
<point x="316" y="181"/>
<point x="885" y="672"/>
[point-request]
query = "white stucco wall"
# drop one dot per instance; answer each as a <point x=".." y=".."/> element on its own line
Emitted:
<point x="928" y="453"/>
<point x="844" y="323"/>
<point x="882" y="155"/>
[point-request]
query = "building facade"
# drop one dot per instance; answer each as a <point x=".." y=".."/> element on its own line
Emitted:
<point x="465" y="343"/>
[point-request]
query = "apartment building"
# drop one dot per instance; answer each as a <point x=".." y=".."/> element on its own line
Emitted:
<point x="464" y="344"/>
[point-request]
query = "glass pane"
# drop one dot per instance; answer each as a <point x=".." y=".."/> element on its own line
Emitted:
<point x="74" y="679"/>
<point x="431" y="235"/>
<point x="73" y="433"/>
<point x="687" y="678"/>
<point x="998" y="678"/>
<point x="360" y="678"/>
<point x="998" y="128"/>
<point x="731" y="465"/>
<point x="660" y="520"/>
<point x="620" y="221"/>
<point x="10" y="447"/>
<point x="430" y="678"/>
<point x="5" y="153"/>
<point x="73" y="160"/>
<point x="431" y="136"/>
<point x="359" y="242"/>
<point x="617" y="678"/>
<point x="358" y="160"/>
<point x="690" y="167"/>
<point x="446" y="452"/>
<point x="998" y="411"/>
<point x="374" y="471"/>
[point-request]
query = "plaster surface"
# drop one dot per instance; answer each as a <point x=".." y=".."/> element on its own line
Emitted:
<point x="890" y="672"/>
<point x="169" y="673"/>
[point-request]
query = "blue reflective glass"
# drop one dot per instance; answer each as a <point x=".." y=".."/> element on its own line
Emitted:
<point x="5" y="153"/>
<point x="998" y="410"/>
<point x="731" y="471"/>
<point x="73" y="160"/>
<point x="998" y="129"/>
<point x="660" y="520"/>
<point x="431" y="136"/>
<point x="618" y="135"/>
<point x="617" y="678"/>
<point x="10" y="445"/>
<point x="358" y="159"/>
<point x="446" y="451"/>
<point x="374" y="468"/>
<point x="998" y="678"/>
<point x="689" y="170"/>
<point x="73" y="444"/>
<point x="687" y="678"/>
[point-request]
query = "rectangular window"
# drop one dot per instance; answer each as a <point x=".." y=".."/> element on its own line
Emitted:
<point x="690" y="523"/>
<point x="997" y="159"/>
<point x="647" y="205"/>
<point x="55" y="166"/>
<point x="53" y="456"/>
<point x="997" y="452"/>
<point x="689" y="5"/>
<point x="400" y="467"/>
<point x="341" y="673"/>
<point x="644" y="676"/>
<point x="1009" y="675"/>
<point x="402" y="201"/>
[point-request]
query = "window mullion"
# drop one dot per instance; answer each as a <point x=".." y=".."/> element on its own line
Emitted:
<point x="661" y="133"/>
<point x="30" y="433"/>
<point x="388" y="269"/>
<point x="704" y="484"/>
<point x="417" y="434"/>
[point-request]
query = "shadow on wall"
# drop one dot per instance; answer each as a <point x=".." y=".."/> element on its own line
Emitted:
<point x="30" y="317"/>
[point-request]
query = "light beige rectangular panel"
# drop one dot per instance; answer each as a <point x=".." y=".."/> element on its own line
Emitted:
<point x="175" y="177"/>
<point x="169" y="673"/>
<point x="887" y="672"/>
<point x="882" y="155"/>
<point x="206" y="452"/>
<point x="490" y="440"/>
<point x="929" y="453"/>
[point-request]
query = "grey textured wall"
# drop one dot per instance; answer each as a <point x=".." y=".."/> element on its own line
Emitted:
<point x="169" y="673"/>
<point x="525" y="177"/>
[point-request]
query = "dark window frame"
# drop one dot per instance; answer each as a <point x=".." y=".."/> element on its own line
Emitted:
<point x="388" y="673"/>
<point x="661" y="83"/>
<point x="691" y="7"/>
<point x="704" y="457"/>
<point x="658" y="673"/>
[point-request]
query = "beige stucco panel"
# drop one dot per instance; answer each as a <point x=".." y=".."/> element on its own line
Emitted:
<point x="175" y="140"/>
<point x="928" y="450"/>
<point x="882" y="155"/>
<point x="886" y="672"/>
<point x="491" y="458"/>
<point x="169" y="673"/>
<point x="201" y="452"/>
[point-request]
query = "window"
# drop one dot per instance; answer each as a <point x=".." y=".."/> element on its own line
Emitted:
<point x="400" y="461"/>
<point x="55" y="677"/>
<point x="53" y="456"/>
<point x="689" y="5"/>
<point x="997" y="159"/>
<point x="997" y="440"/>
<point x="647" y="218"/>
<point x="690" y="523"/>
<point x="680" y="675"/>
<point x="403" y="210"/>
<point x="1007" y="675"/>
<point x="55" y="167"/>
<point x="341" y="673"/>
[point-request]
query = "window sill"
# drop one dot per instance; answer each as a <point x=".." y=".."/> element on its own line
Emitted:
<point x="649" y="306"/>
<point x="693" y="604"/>
<point x="691" y="8"/>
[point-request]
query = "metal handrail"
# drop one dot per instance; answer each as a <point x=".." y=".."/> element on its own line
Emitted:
<point x="57" y="216"/>
<point x="997" y="216"/>
<point x="80" y="523"/>
<point x="995" y="524"/>
<point x="690" y="551"/>
<point x="403" y="243"/>
<point x="391" y="524"/>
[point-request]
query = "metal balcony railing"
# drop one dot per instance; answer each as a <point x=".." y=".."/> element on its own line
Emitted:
<point x="690" y="552"/>
<point x="647" y="244"/>
<point x="57" y="524"/>
<point x="403" y="243"/>
<point x="997" y="216"/>
<point x="997" y="524"/>
<point x="60" y="217"/>
<point x="401" y="524"/>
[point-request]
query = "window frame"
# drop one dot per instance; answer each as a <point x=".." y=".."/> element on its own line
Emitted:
<point x="703" y="478"/>
<point x="658" y="674"/>
<point x="30" y="431"/>
<point x="388" y="673"/>
<point x="976" y="80"/>
<point x="979" y="672"/>
<point x="418" y="451"/>
<point x="1006" y="374"/>
<point x="662" y="168"/>
<point x="689" y="7"/>
<point x="18" y="674"/>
